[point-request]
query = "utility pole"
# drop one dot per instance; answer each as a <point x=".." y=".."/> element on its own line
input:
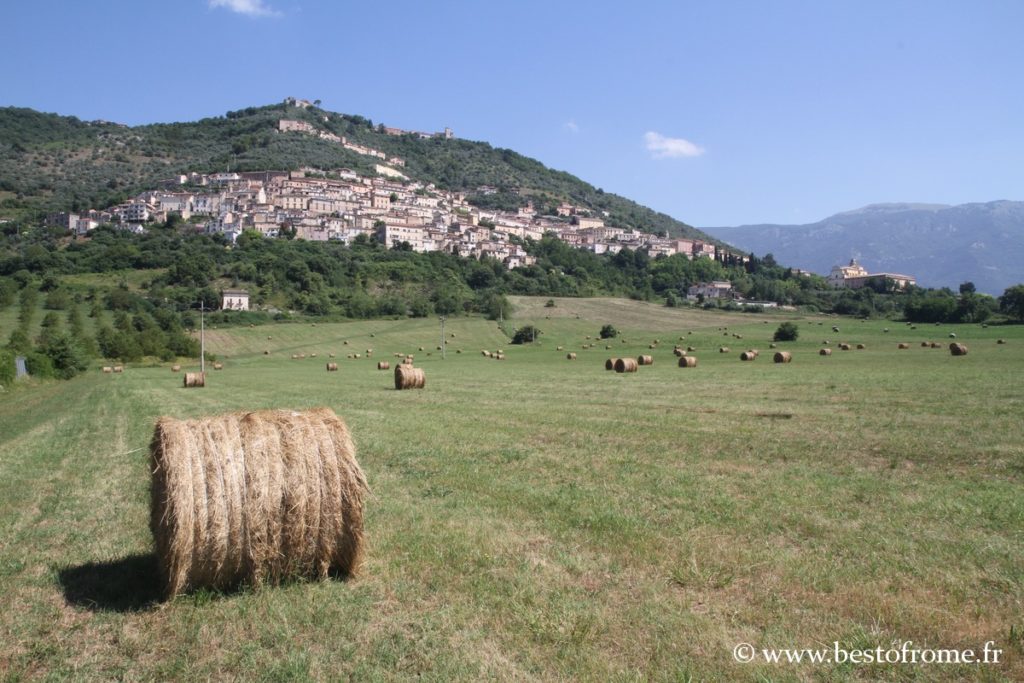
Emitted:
<point x="202" y="337"/>
<point x="443" y="344"/>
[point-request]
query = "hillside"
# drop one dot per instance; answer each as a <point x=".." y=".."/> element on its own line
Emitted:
<point x="50" y="162"/>
<point x="942" y="246"/>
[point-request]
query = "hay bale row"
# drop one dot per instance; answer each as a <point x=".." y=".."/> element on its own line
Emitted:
<point x="194" y="380"/>
<point x="292" y="507"/>
<point x="687" y="361"/>
<point x="626" y="365"/>
<point x="958" y="349"/>
<point x="783" y="357"/>
<point x="332" y="367"/>
<point x="825" y="352"/>
<point x="408" y="377"/>
<point x="383" y="365"/>
<point x="645" y="360"/>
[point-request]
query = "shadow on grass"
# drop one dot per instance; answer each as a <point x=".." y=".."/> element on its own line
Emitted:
<point x="130" y="584"/>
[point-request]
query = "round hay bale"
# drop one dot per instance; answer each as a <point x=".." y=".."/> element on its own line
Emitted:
<point x="108" y="369"/>
<point x="499" y="356"/>
<point x="607" y="347"/>
<point x="118" y="368"/>
<point x="559" y="348"/>
<point x="952" y="335"/>
<point x="783" y="357"/>
<point x="936" y="345"/>
<point x="369" y="351"/>
<point x="292" y="507"/>
<point x="484" y="352"/>
<point x="312" y="355"/>
<point x="302" y="356"/>
<point x="570" y="356"/>
<point x="844" y="347"/>
<point x="501" y="351"/>
<point x="458" y="350"/>
<point x="626" y="365"/>
<point x="422" y="349"/>
<point x="652" y="346"/>
<point x="772" y="345"/>
<point x="332" y="367"/>
<point x="690" y="349"/>
<point x="924" y="345"/>
<point x="886" y="329"/>
<point x="175" y="368"/>
<point x="408" y="377"/>
<point x="687" y="361"/>
<point x="266" y="352"/>
<point x="218" y="366"/>
<point x="345" y="342"/>
<point x="407" y="360"/>
<point x="610" y="364"/>
<point x="1000" y="341"/>
<point x="383" y="365"/>
<point x="902" y="345"/>
<point x="645" y="360"/>
<point x="356" y="355"/>
<point x="958" y="349"/>
<point x="861" y="347"/>
<point x="269" y="338"/>
<point x="295" y="356"/>
<point x="723" y="349"/>
<point x="330" y="355"/>
<point x="678" y="352"/>
<point x="825" y="342"/>
<point x="194" y="380"/>
<point x="825" y="352"/>
<point x="748" y="355"/>
<point x="835" y="329"/>
<point x="657" y="341"/>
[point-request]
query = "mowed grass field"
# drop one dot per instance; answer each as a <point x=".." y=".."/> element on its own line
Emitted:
<point x="543" y="519"/>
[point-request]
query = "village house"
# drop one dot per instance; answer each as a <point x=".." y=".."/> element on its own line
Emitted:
<point x="855" y="276"/>
<point x="716" y="289"/>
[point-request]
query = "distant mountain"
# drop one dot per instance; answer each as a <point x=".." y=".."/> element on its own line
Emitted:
<point x="940" y="245"/>
<point x="56" y="163"/>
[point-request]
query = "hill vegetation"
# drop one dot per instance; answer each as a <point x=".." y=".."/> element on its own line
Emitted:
<point x="53" y="163"/>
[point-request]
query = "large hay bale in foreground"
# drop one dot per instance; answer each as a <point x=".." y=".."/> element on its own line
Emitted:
<point x="332" y="367"/>
<point x="783" y="357"/>
<point x="383" y="365"/>
<point x="825" y="352"/>
<point x="645" y="360"/>
<point x="626" y="365"/>
<point x="254" y="497"/>
<point x="958" y="349"/>
<point x="687" y="361"/>
<point x="194" y="380"/>
<point x="408" y="377"/>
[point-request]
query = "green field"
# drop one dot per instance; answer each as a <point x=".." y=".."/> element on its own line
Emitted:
<point x="540" y="518"/>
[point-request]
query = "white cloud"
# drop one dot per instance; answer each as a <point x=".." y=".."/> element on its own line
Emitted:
<point x="250" y="8"/>
<point x="571" y="126"/>
<point x="662" y="147"/>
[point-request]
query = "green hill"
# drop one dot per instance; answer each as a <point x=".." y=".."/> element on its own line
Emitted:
<point x="50" y="162"/>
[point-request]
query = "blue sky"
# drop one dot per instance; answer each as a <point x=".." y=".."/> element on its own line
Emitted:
<point x="718" y="113"/>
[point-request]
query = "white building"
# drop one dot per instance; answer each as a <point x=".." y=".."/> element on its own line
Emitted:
<point x="234" y="300"/>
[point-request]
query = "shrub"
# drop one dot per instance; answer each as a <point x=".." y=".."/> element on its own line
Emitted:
<point x="609" y="332"/>
<point x="786" y="332"/>
<point x="525" y="335"/>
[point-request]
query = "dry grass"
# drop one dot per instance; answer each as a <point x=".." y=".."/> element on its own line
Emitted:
<point x="254" y="497"/>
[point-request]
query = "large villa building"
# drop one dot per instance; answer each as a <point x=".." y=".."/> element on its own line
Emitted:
<point x="854" y="276"/>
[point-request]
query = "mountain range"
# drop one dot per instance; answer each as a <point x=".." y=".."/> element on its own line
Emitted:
<point x="940" y="245"/>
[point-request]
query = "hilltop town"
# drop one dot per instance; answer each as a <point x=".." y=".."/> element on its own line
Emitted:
<point x="341" y="205"/>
